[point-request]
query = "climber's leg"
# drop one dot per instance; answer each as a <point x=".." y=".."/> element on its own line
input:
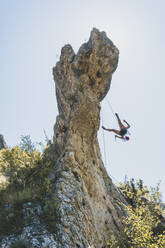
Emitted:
<point x="120" y="137"/>
<point x="119" y="121"/>
<point x="114" y="130"/>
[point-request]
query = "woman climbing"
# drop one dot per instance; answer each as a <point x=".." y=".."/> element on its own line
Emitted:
<point x="123" y="129"/>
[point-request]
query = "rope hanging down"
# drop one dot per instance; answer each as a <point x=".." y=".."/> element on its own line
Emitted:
<point x="110" y="107"/>
<point x="102" y="122"/>
<point x="117" y="188"/>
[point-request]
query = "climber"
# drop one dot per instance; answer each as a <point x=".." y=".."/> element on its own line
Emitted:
<point x="123" y="129"/>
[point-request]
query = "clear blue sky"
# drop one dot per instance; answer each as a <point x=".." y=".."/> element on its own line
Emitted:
<point x="32" y="34"/>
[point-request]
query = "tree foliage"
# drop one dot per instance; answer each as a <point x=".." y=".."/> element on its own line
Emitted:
<point x="25" y="171"/>
<point x="26" y="143"/>
<point x="144" y="223"/>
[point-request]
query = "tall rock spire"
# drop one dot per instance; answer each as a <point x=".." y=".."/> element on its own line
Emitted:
<point x="87" y="199"/>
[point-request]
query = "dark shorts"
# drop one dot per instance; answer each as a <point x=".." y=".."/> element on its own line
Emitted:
<point x="123" y="132"/>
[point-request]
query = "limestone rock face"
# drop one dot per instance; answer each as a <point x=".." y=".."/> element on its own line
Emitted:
<point x="88" y="202"/>
<point x="2" y="142"/>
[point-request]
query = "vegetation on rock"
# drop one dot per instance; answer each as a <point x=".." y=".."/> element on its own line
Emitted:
<point x="25" y="178"/>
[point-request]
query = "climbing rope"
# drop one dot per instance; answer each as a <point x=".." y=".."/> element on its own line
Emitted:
<point x="110" y="106"/>
<point x="104" y="148"/>
<point x="102" y="122"/>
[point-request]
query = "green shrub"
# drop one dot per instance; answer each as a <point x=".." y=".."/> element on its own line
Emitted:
<point x="26" y="174"/>
<point x="144" y="223"/>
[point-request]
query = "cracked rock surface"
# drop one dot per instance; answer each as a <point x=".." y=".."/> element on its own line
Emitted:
<point x="89" y="202"/>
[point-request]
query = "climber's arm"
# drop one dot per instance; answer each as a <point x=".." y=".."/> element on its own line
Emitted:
<point x="105" y="128"/>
